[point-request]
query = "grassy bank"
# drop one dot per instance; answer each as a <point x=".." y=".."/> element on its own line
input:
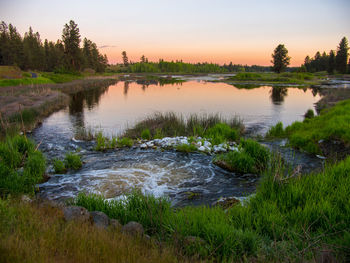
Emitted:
<point x="327" y="134"/>
<point x="291" y="218"/>
<point x="274" y="78"/>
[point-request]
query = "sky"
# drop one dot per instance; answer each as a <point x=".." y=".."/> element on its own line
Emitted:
<point x="221" y="31"/>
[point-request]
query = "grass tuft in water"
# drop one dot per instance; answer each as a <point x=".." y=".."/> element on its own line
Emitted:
<point x="170" y="125"/>
<point x="186" y="148"/>
<point x="72" y="161"/>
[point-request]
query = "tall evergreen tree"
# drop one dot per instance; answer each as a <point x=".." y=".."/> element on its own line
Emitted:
<point x="125" y="59"/>
<point x="341" y="58"/>
<point x="331" y="62"/>
<point x="280" y="58"/>
<point x="71" y="40"/>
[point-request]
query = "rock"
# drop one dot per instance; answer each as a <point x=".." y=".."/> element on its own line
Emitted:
<point x="76" y="213"/>
<point x="143" y="146"/>
<point x="202" y="149"/>
<point x="147" y="237"/>
<point x="184" y="141"/>
<point x="114" y="224"/>
<point x="320" y="157"/>
<point x="100" y="219"/>
<point x="133" y="228"/>
<point x="218" y="149"/>
<point x="150" y="144"/>
<point x="207" y="144"/>
<point x="199" y="144"/>
<point x="233" y="148"/>
<point x="226" y="202"/>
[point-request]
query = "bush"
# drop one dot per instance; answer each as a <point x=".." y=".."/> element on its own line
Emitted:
<point x="72" y="161"/>
<point x="59" y="167"/>
<point x="146" y="134"/>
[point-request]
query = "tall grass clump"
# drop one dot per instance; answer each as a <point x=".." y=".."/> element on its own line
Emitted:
<point x="251" y="158"/>
<point x="21" y="165"/>
<point x="171" y="124"/>
<point x="276" y="131"/>
<point x="104" y="143"/>
<point x="72" y="161"/>
<point x="220" y="133"/>
<point x="146" y="134"/>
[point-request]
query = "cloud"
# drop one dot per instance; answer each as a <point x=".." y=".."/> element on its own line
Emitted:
<point x="106" y="46"/>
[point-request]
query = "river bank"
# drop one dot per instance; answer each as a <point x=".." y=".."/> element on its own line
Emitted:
<point x="24" y="106"/>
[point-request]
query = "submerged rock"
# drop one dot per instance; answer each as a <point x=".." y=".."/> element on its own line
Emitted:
<point x="114" y="224"/>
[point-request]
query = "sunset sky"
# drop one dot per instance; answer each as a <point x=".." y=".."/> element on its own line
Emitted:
<point x="244" y="32"/>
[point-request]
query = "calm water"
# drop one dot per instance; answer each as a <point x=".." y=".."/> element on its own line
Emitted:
<point x="166" y="173"/>
<point x="120" y="106"/>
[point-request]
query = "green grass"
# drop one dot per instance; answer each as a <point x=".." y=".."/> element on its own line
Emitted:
<point x="252" y="158"/>
<point x="170" y="125"/>
<point x="25" y="81"/>
<point x="59" y="167"/>
<point x="186" y="148"/>
<point x="276" y="131"/>
<point x="309" y="114"/>
<point x="43" y="78"/>
<point x="125" y="142"/>
<point x="332" y="124"/>
<point x="291" y="218"/>
<point x="146" y="134"/>
<point x="282" y="78"/>
<point x="104" y="143"/>
<point x="72" y="161"/>
<point x="221" y="132"/>
<point x="21" y="166"/>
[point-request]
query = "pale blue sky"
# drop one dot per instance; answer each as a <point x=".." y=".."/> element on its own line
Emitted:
<point x="193" y="30"/>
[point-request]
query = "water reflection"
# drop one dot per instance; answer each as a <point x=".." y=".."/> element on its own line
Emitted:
<point x="278" y="94"/>
<point x="118" y="106"/>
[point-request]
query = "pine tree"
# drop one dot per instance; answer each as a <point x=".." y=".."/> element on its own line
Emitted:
<point x="280" y="58"/>
<point x="341" y="58"/>
<point x="125" y="59"/>
<point x="71" y="40"/>
<point x="331" y="62"/>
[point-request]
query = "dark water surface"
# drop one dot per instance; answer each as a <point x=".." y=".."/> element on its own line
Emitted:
<point x="169" y="173"/>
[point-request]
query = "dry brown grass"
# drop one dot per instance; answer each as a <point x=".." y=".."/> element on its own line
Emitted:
<point x="33" y="233"/>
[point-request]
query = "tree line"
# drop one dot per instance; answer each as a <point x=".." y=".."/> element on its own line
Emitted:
<point x="64" y="55"/>
<point x="333" y="62"/>
<point x="178" y="66"/>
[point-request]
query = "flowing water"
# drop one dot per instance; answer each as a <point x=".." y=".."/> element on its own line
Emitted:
<point x="168" y="173"/>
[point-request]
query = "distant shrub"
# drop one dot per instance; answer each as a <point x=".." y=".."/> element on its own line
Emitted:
<point x="72" y="161"/>
<point x="146" y="134"/>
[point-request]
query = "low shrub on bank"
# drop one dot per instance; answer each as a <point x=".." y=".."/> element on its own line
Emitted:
<point x="276" y="131"/>
<point x="21" y="165"/>
<point x="221" y="132"/>
<point x="291" y="218"/>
